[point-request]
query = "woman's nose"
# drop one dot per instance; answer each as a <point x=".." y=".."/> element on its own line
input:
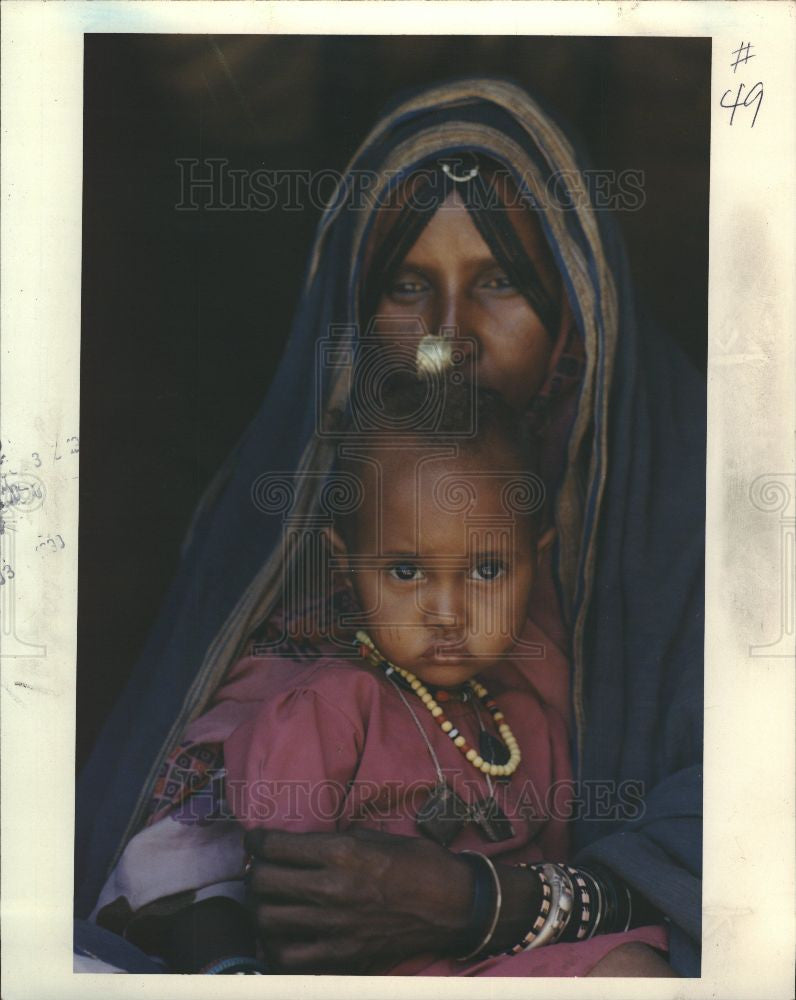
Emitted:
<point x="451" y="312"/>
<point x="457" y="319"/>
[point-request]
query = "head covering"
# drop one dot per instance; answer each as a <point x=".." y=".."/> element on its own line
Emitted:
<point x="629" y="509"/>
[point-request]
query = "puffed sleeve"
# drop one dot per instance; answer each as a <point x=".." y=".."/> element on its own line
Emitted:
<point x="289" y="765"/>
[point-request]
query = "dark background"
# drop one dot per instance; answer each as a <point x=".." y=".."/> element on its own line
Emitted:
<point x="185" y="313"/>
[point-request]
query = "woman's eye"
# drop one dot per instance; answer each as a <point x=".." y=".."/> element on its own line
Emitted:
<point x="500" y="282"/>
<point x="406" y="572"/>
<point x="489" y="569"/>
<point x="406" y="287"/>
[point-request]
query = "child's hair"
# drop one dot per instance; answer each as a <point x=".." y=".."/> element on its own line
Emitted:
<point x="442" y="410"/>
<point x="450" y="409"/>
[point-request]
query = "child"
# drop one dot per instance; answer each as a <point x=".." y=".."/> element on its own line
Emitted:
<point x="405" y="739"/>
<point x="434" y="729"/>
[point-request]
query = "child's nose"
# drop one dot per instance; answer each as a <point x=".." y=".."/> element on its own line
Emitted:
<point x="444" y="605"/>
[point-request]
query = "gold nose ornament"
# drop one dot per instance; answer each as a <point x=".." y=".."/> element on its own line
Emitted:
<point x="434" y="355"/>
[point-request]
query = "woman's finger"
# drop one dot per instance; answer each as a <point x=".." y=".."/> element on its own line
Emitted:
<point x="298" y="921"/>
<point x="302" y="850"/>
<point x="313" y="887"/>
<point x="323" y="955"/>
<point x="282" y="847"/>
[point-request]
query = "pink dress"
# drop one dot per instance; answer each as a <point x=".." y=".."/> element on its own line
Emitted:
<point x="331" y="746"/>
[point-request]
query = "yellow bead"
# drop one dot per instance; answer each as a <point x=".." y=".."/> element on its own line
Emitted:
<point x="478" y="761"/>
<point x="494" y="770"/>
<point x="415" y="685"/>
<point x="446" y="726"/>
<point x="426" y="698"/>
<point x="498" y="716"/>
<point x="436" y="711"/>
<point x="471" y="755"/>
<point x="459" y="741"/>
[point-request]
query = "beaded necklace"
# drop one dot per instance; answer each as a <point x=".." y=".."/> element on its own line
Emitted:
<point x="368" y="649"/>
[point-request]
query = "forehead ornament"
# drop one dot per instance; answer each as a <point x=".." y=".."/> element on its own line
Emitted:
<point x="460" y="178"/>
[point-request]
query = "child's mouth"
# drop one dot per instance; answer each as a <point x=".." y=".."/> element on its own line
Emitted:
<point x="445" y="652"/>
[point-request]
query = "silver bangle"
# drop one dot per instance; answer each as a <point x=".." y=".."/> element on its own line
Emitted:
<point x="566" y="902"/>
<point x="629" y="910"/>
<point x="495" y="916"/>
<point x="560" y="907"/>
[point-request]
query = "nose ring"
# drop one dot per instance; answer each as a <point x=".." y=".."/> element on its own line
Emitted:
<point x="434" y="355"/>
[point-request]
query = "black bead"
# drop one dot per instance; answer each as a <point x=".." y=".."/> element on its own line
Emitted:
<point x="492" y="749"/>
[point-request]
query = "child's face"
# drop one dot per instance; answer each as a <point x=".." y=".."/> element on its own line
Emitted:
<point x="447" y="593"/>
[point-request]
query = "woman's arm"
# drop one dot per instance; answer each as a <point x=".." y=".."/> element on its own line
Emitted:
<point x="361" y="902"/>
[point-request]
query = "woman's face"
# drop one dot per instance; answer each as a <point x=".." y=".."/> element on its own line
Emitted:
<point x="449" y="279"/>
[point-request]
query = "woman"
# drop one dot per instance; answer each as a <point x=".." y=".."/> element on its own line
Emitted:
<point x="466" y="208"/>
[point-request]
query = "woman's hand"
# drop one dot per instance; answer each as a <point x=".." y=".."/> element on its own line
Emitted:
<point x="362" y="901"/>
<point x="355" y="902"/>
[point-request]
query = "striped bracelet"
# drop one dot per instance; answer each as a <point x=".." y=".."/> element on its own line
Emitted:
<point x="530" y="938"/>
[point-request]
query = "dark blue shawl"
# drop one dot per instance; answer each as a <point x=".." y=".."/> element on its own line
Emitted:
<point x="629" y="511"/>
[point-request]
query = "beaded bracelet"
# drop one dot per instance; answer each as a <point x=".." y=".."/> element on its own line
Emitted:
<point x="487" y="902"/>
<point x="583" y="910"/>
<point x="558" y="900"/>
<point x="560" y="907"/>
<point x="544" y="908"/>
<point x="577" y="904"/>
<point x="618" y="909"/>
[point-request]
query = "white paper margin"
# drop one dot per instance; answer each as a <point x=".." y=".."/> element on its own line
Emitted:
<point x="749" y="715"/>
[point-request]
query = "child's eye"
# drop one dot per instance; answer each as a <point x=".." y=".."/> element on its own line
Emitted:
<point x="406" y="572"/>
<point x="489" y="569"/>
